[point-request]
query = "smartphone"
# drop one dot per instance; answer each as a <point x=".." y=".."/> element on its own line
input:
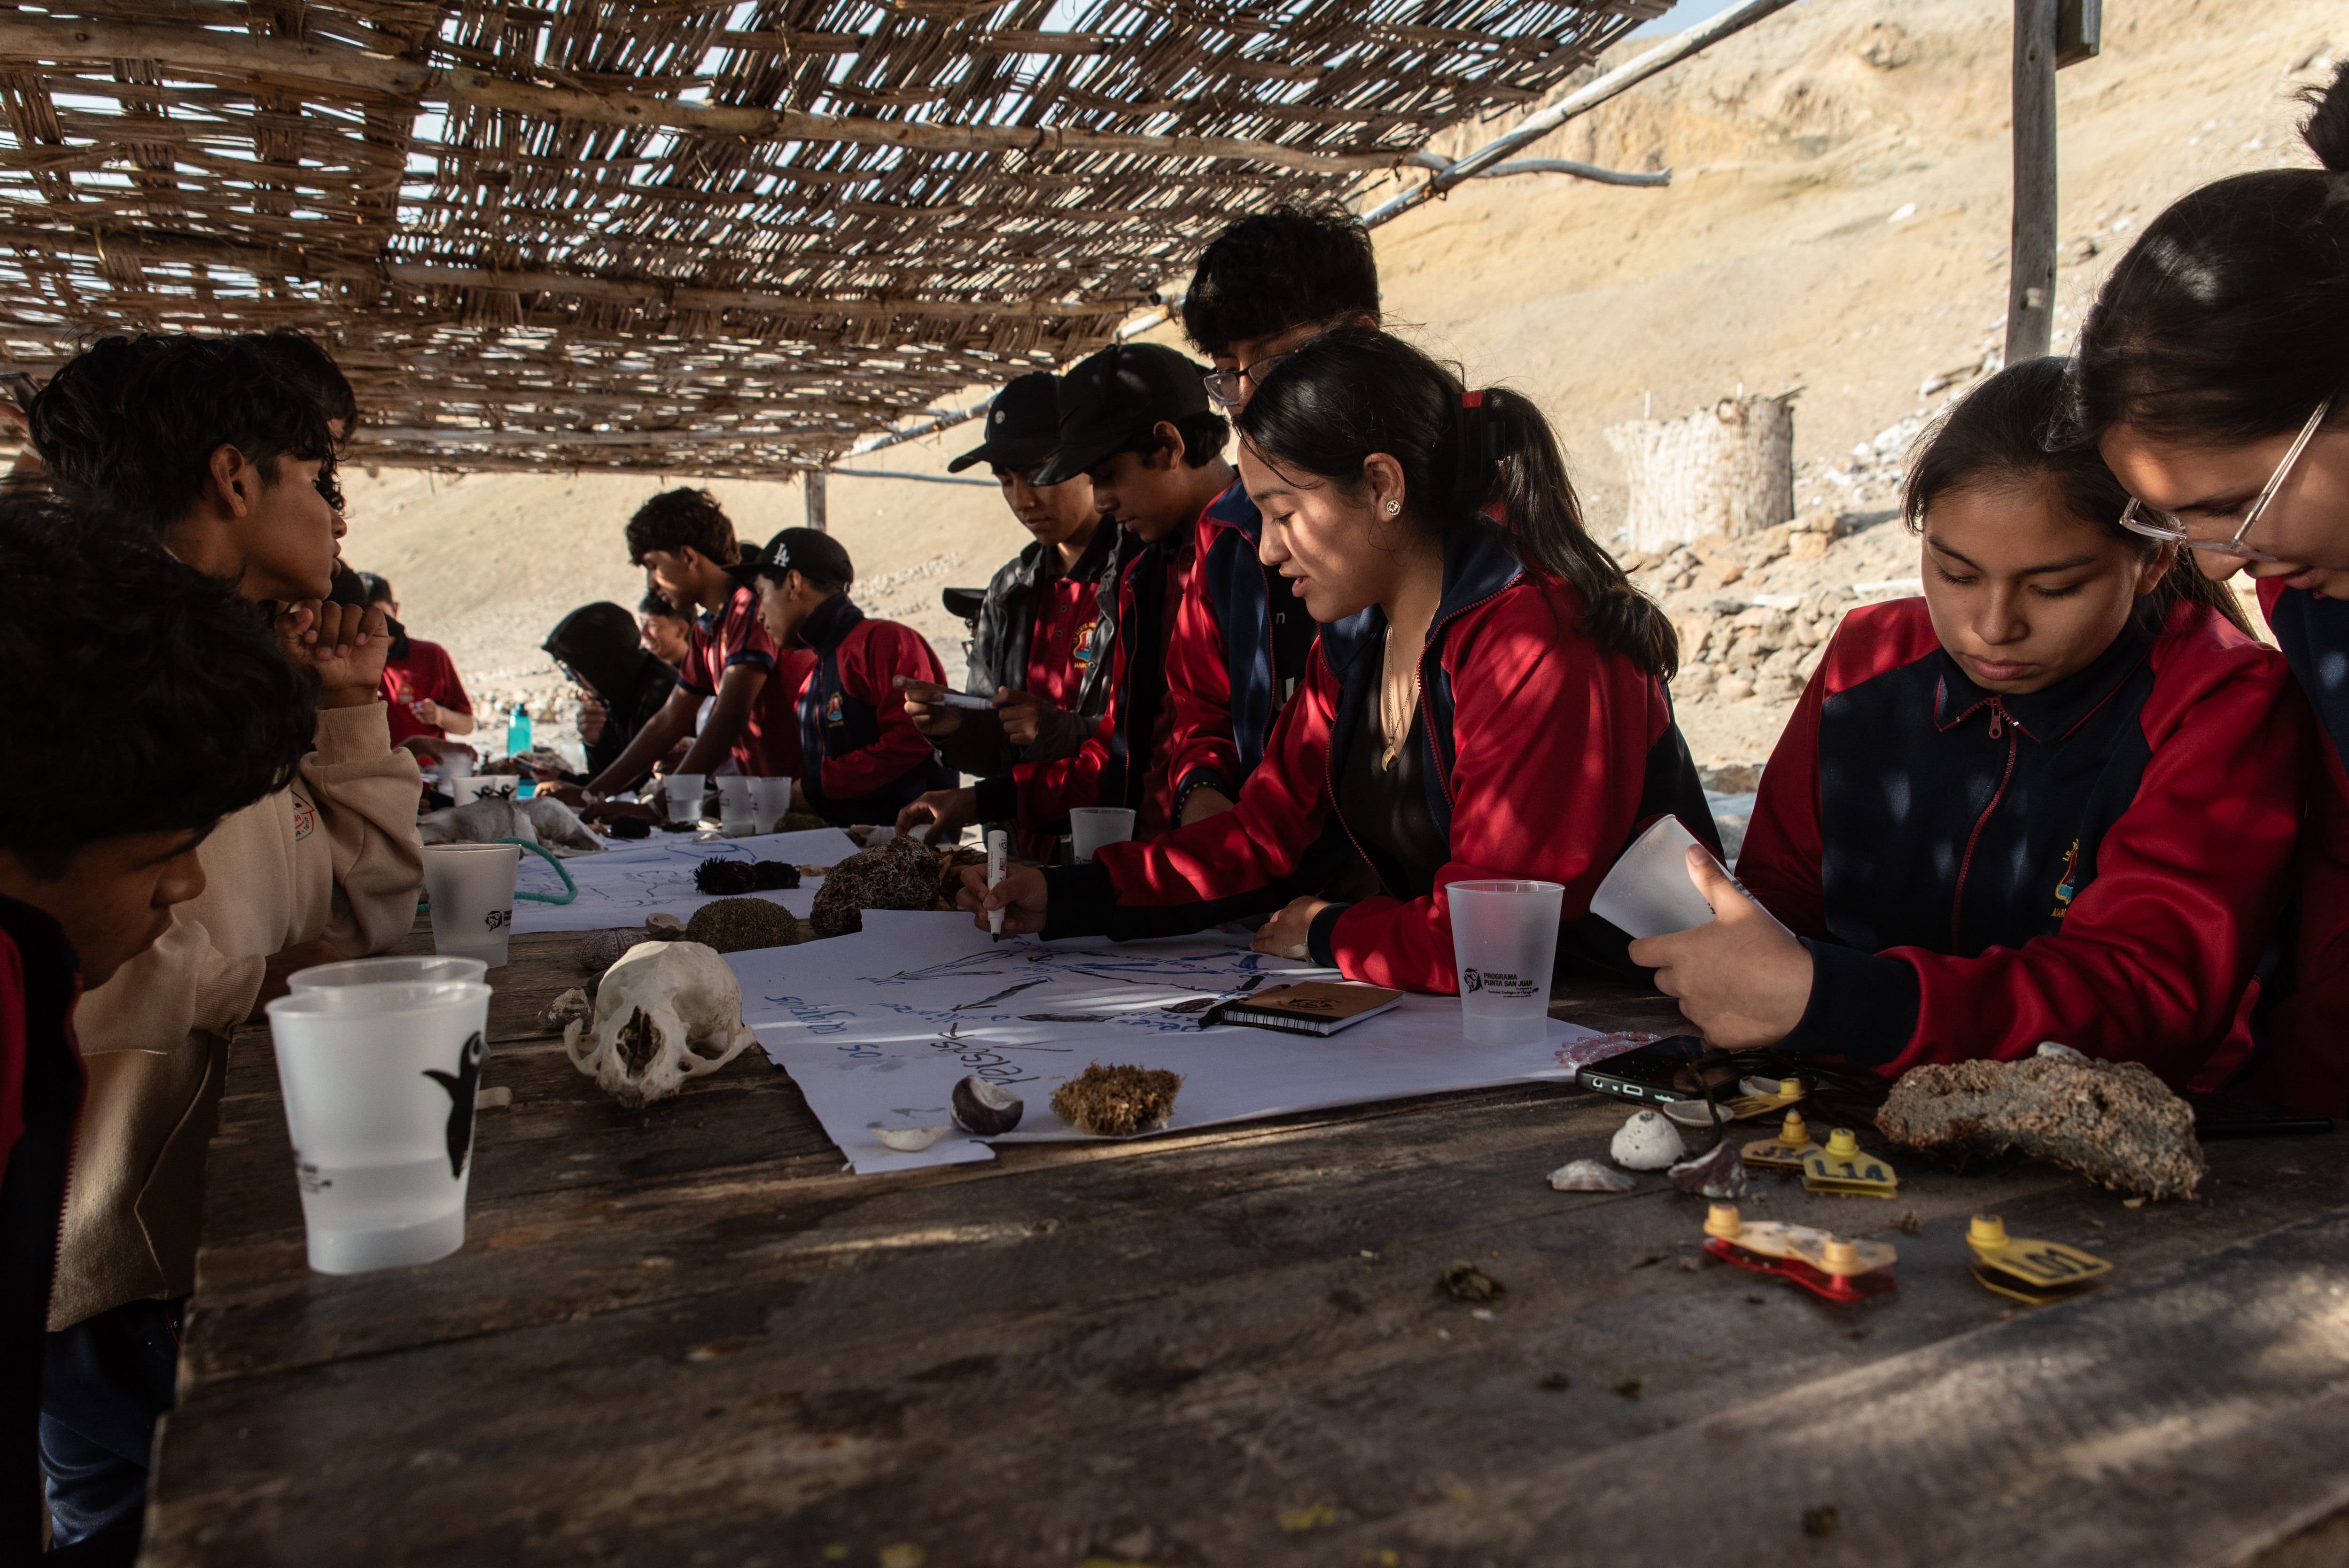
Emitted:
<point x="965" y="699"/>
<point x="1658" y="1072"/>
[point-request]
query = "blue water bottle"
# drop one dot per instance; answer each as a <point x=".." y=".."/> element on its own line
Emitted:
<point x="518" y="731"/>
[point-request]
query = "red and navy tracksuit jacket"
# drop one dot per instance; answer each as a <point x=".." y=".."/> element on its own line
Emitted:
<point x="1119" y="764"/>
<point x="1546" y="754"/>
<point x="1242" y="640"/>
<point x="2309" y="1017"/>
<point x="2100" y="863"/>
<point x="865" y="759"/>
<point x="40" y="1099"/>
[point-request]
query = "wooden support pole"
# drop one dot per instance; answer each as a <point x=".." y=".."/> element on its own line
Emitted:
<point x="2030" y="251"/>
<point x="813" y="479"/>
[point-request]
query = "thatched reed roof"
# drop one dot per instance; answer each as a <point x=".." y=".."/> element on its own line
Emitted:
<point x="723" y="239"/>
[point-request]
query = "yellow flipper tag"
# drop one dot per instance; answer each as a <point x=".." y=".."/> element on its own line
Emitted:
<point x="2029" y="1271"/>
<point x="1761" y="1100"/>
<point x="1843" y="1167"/>
<point x="1785" y="1151"/>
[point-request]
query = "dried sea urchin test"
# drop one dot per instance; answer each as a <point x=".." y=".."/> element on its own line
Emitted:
<point x="738" y="925"/>
<point x="745" y="876"/>
<point x="1110" y="1103"/>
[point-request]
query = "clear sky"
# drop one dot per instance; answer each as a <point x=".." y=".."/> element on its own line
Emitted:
<point x="1681" y="17"/>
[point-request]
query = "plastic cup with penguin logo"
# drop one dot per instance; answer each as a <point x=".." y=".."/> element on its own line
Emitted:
<point x="1090" y="827"/>
<point x="1504" y="941"/>
<point x="770" y="802"/>
<point x="471" y="891"/>
<point x="736" y="817"/>
<point x="405" y="971"/>
<point x="378" y="1084"/>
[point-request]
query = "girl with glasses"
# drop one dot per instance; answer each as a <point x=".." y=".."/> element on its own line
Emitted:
<point x="2214" y="375"/>
<point x="2054" y="799"/>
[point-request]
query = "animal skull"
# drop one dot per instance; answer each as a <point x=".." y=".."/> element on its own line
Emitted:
<point x="665" y="1011"/>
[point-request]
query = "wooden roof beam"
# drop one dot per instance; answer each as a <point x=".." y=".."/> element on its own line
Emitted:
<point x="30" y="44"/>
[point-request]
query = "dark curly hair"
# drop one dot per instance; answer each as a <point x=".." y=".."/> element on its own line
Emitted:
<point x="656" y="602"/>
<point x="675" y="520"/>
<point x="153" y="686"/>
<point x="128" y="427"/>
<point x="1299" y="263"/>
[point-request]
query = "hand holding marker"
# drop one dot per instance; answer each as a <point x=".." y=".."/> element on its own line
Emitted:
<point x="997" y="844"/>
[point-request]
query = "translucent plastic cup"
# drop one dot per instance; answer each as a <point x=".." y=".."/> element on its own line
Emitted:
<point x="736" y="816"/>
<point x="415" y="971"/>
<point x="471" y="890"/>
<point x="1505" y="939"/>
<point x="379" y="1084"/>
<point x="770" y="802"/>
<point x="1094" y="826"/>
<point x="684" y="796"/>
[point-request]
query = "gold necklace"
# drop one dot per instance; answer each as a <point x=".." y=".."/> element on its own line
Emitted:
<point x="1396" y="731"/>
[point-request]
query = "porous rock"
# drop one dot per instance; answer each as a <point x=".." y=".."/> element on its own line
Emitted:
<point x="1110" y="1103"/>
<point x="738" y="925"/>
<point x="2114" y="1123"/>
<point x="1720" y="1173"/>
<point x="900" y="873"/>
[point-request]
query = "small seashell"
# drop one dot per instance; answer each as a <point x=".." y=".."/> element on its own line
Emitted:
<point x="986" y="1109"/>
<point x="572" y="1005"/>
<point x="1720" y="1174"/>
<point x="1692" y="1112"/>
<point x="599" y="949"/>
<point x="909" y="1139"/>
<point x="1647" y="1142"/>
<point x="1589" y="1176"/>
<point x="664" y="927"/>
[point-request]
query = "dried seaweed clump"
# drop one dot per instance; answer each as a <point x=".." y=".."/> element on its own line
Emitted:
<point x="902" y="874"/>
<point x="1110" y="1103"/>
<point x="2113" y="1122"/>
<point x="745" y="876"/>
<point x="738" y="925"/>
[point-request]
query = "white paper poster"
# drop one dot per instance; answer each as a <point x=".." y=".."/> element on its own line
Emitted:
<point x="876" y="1028"/>
<point x="620" y="887"/>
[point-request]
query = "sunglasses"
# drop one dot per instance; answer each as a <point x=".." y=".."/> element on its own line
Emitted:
<point x="2170" y="529"/>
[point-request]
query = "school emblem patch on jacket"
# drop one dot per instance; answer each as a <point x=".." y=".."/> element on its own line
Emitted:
<point x="832" y="711"/>
<point x="1084" y="654"/>
<point x="2065" y="886"/>
<point x="305" y="818"/>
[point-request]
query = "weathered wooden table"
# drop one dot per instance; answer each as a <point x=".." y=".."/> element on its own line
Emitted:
<point x="682" y="1335"/>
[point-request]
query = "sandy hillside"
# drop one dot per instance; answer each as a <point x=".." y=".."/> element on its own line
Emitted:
<point x="1837" y="222"/>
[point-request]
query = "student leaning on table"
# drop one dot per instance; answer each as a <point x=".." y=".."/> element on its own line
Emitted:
<point x="161" y="693"/>
<point x="1482" y="703"/>
<point x="2213" y="374"/>
<point x="215" y="451"/>
<point x="2054" y="799"/>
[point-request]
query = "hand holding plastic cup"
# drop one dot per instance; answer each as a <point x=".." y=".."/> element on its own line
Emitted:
<point x="1504" y="941"/>
<point x="684" y="796"/>
<point x="471" y="890"/>
<point x="378" y="1083"/>
<point x="770" y="802"/>
<point x="1092" y="825"/>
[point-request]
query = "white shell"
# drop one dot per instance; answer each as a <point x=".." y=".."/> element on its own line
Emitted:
<point x="663" y="925"/>
<point x="908" y="1140"/>
<point x="666" y="1011"/>
<point x="1589" y="1176"/>
<point x="1646" y="1142"/>
<point x="1692" y="1112"/>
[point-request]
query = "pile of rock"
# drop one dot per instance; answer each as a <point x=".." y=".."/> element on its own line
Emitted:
<point x="1732" y="647"/>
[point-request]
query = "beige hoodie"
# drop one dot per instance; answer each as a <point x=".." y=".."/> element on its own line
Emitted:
<point x="333" y="855"/>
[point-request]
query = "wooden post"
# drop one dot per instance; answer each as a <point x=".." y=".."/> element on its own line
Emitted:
<point x="814" y="479"/>
<point x="2030" y="252"/>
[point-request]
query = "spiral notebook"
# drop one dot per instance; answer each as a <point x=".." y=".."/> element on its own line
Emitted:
<point x="1314" y="1008"/>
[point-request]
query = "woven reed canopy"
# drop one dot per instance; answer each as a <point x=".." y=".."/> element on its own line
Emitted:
<point x="722" y="240"/>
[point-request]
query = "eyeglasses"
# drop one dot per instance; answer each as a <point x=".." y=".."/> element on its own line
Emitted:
<point x="1224" y="386"/>
<point x="2170" y="529"/>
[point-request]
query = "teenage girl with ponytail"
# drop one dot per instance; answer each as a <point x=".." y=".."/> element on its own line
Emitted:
<point x="1483" y="702"/>
<point x="2053" y="798"/>
<point x="2214" y="375"/>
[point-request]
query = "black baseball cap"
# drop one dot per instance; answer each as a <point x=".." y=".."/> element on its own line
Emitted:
<point x="1023" y="425"/>
<point x="814" y="554"/>
<point x="1118" y="395"/>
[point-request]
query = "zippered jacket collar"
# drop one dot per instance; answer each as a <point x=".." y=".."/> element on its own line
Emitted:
<point x="2055" y="711"/>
